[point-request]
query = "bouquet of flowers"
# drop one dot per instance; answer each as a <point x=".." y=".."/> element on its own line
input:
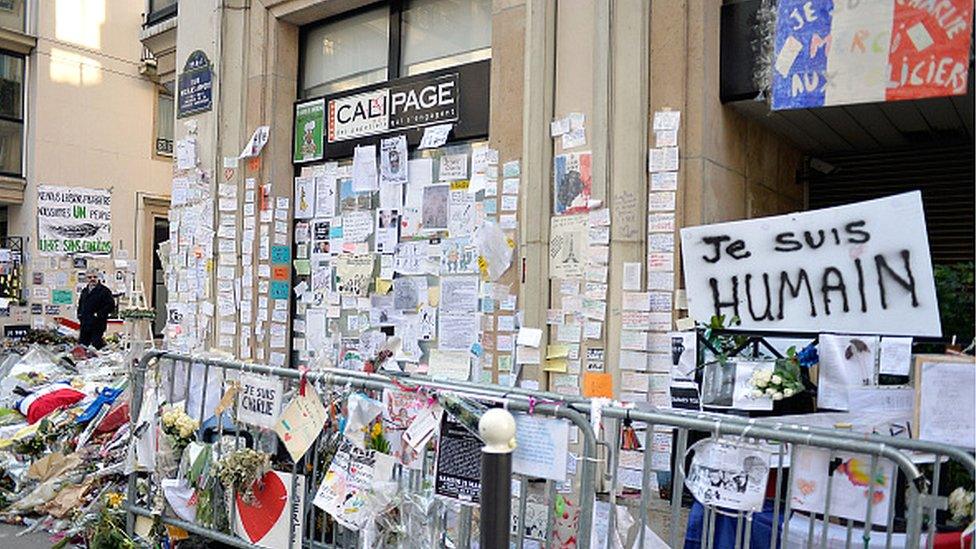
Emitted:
<point x="241" y="469"/>
<point x="776" y="383"/>
<point x="180" y="427"/>
<point x="961" y="505"/>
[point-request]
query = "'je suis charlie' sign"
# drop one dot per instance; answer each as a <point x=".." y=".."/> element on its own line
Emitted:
<point x="860" y="268"/>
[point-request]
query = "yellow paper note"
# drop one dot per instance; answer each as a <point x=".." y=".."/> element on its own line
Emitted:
<point x="556" y="365"/>
<point x="557" y="351"/>
<point x="383" y="286"/>
<point x="433" y="295"/>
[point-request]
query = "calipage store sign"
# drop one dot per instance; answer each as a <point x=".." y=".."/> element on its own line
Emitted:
<point x="397" y="107"/>
<point x="457" y="96"/>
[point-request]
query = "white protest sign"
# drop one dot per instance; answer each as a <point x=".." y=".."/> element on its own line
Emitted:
<point x="859" y="268"/>
<point x="74" y="219"/>
<point x="260" y="400"/>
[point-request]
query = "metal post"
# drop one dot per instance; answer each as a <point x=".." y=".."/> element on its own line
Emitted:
<point x="497" y="428"/>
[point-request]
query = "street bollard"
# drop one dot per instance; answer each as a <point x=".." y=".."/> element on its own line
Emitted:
<point x="497" y="428"/>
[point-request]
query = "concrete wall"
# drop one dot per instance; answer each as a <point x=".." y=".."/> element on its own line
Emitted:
<point x="90" y="114"/>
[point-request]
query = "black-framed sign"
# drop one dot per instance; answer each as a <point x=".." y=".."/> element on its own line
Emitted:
<point x="194" y="92"/>
<point x="16" y="331"/>
<point x="457" y="95"/>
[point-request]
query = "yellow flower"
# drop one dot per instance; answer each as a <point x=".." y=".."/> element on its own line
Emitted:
<point x="377" y="429"/>
<point x="114" y="499"/>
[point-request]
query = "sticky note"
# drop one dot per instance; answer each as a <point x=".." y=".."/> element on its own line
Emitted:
<point x="555" y="365"/>
<point x="302" y="267"/>
<point x="383" y="286"/>
<point x="597" y="384"/>
<point x="557" y="351"/>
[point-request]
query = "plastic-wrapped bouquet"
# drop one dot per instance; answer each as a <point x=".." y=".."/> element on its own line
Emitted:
<point x="776" y="383"/>
<point x="180" y="426"/>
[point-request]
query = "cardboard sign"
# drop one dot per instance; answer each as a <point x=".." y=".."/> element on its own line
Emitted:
<point x="277" y="514"/>
<point x="301" y="423"/>
<point x="859" y="268"/>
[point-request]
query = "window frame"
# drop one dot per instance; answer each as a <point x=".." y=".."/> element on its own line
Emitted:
<point x="22" y="121"/>
<point x="395" y="9"/>
<point x="160" y="90"/>
<point x="161" y="14"/>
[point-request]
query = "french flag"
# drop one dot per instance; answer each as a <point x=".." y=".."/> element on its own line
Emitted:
<point x="863" y="51"/>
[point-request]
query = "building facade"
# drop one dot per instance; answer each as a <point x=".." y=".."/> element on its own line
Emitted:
<point x="83" y="181"/>
<point x="536" y="92"/>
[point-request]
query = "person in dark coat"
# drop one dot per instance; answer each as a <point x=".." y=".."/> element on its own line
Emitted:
<point x="94" y="307"/>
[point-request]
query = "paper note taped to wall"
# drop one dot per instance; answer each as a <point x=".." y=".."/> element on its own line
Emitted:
<point x="861" y="268"/>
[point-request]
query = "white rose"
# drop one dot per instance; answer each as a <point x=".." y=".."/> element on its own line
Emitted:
<point x="777" y="396"/>
<point x="777" y="380"/>
<point x="788" y="392"/>
<point x="757" y="393"/>
<point x="760" y="384"/>
<point x="770" y="391"/>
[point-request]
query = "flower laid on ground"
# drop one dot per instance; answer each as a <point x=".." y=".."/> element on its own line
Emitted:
<point x="961" y="504"/>
<point x="114" y="499"/>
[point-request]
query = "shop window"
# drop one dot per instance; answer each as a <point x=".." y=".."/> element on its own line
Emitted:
<point x="11" y="113"/>
<point x="347" y="53"/>
<point x="164" y="120"/>
<point x="441" y="33"/>
<point x="12" y="15"/>
<point x="391" y="40"/>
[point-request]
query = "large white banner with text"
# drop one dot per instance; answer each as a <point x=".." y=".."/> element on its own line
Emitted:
<point x="861" y="268"/>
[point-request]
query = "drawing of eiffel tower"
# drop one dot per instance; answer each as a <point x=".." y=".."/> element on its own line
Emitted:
<point x="571" y="258"/>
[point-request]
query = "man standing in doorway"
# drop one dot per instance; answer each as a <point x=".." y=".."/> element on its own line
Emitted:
<point x="94" y="307"/>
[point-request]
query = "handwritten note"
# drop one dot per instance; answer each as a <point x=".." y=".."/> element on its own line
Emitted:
<point x="541" y="447"/>
<point x="301" y="423"/>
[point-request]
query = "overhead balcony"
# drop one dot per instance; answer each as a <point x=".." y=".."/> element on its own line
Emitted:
<point x="158" y="35"/>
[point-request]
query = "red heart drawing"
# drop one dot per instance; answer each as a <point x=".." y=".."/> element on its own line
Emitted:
<point x="228" y="174"/>
<point x="260" y="518"/>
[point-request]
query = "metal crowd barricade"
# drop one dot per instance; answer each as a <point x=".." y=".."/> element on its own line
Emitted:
<point x="921" y="493"/>
<point x="922" y="496"/>
<point x="202" y="372"/>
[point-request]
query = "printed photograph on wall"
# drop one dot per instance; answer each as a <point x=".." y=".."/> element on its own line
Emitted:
<point x="435" y="207"/>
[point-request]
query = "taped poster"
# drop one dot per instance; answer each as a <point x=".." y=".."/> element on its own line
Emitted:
<point x="728" y="475"/>
<point x="74" y="219"/>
